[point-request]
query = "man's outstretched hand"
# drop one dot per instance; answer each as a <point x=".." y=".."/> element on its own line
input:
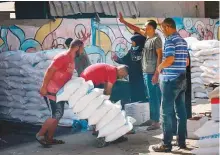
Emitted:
<point x="121" y="18"/>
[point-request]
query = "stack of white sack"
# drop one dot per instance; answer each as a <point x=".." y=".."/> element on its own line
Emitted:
<point x="209" y="139"/>
<point x="20" y="80"/>
<point x="91" y="104"/>
<point x="204" y="65"/>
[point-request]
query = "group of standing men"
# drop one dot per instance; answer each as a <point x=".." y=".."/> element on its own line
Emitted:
<point x="162" y="70"/>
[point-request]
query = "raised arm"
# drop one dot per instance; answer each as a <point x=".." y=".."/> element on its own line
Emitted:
<point x="131" y="26"/>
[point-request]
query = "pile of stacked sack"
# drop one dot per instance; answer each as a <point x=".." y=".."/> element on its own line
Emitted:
<point x="20" y="80"/>
<point x="89" y="103"/>
<point x="209" y="133"/>
<point x="205" y="65"/>
<point x="208" y="142"/>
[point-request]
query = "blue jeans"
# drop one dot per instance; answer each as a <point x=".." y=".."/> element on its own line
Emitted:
<point x="173" y="97"/>
<point x="154" y="95"/>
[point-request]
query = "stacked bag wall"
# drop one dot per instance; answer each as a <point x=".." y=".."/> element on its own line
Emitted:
<point x="20" y="80"/>
<point x="205" y="68"/>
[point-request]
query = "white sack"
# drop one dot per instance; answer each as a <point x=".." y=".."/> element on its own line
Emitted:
<point x="196" y="64"/>
<point x="206" y="151"/>
<point x="197" y="80"/>
<point x="82" y="91"/>
<point x="200" y="95"/>
<point x="139" y="111"/>
<point x="109" y="116"/>
<point x="37" y="107"/>
<point x="196" y="69"/>
<point x="82" y="103"/>
<point x="205" y="44"/>
<point x="50" y="54"/>
<point x="210" y="70"/>
<point x="92" y="106"/>
<point x="43" y="64"/>
<point x="68" y="114"/>
<point x="205" y="129"/>
<point x="66" y="122"/>
<point x="35" y="94"/>
<point x="113" y="125"/>
<point x="30" y="119"/>
<point x="4" y="55"/>
<point x="190" y="41"/>
<point x="207" y="52"/>
<point x="211" y="63"/>
<point x="209" y="141"/>
<point x="120" y="132"/>
<point x="38" y="114"/>
<point x="215" y="93"/>
<point x="69" y="88"/>
<point x="98" y="114"/>
<point x="195" y="74"/>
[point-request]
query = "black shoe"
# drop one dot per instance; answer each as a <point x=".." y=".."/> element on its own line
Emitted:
<point x="162" y="148"/>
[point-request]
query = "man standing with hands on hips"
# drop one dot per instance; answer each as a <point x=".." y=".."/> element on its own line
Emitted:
<point x="173" y="86"/>
<point x="58" y="73"/>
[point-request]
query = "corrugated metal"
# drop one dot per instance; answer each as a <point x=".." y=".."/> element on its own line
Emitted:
<point x="65" y="8"/>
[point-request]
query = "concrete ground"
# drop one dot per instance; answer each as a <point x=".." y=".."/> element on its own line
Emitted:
<point x="85" y="144"/>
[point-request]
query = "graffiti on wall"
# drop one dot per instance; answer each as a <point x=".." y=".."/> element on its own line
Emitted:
<point x="107" y="36"/>
<point x="49" y="36"/>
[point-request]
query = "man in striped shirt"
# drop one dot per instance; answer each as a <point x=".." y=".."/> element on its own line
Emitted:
<point x="173" y="86"/>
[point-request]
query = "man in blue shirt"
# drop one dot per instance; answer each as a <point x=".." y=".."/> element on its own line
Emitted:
<point x="173" y="86"/>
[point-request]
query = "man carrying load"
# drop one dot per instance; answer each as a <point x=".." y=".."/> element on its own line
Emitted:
<point x="57" y="75"/>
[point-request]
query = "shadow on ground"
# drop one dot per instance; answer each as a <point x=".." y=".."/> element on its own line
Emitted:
<point x="16" y="133"/>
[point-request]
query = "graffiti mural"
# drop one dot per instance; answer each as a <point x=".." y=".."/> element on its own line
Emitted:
<point x="49" y="36"/>
<point x="106" y="37"/>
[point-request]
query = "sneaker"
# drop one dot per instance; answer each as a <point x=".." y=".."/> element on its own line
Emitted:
<point x="162" y="148"/>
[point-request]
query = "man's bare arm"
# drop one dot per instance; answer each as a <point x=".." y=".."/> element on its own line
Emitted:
<point x="131" y="26"/>
<point x="166" y="63"/>
<point x="48" y="76"/>
<point x="159" y="56"/>
<point x="108" y="88"/>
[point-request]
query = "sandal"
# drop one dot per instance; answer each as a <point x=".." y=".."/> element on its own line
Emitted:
<point x="55" y="142"/>
<point x="162" y="148"/>
<point x="42" y="140"/>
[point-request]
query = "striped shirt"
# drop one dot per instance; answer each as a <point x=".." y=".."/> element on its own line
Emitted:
<point x="175" y="46"/>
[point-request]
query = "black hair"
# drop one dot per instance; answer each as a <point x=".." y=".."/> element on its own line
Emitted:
<point x="152" y="23"/>
<point x="75" y="43"/>
<point x="68" y="42"/>
<point x="170" y="22"/>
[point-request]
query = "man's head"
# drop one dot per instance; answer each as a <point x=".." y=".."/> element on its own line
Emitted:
<point x="77" y="46"/>
<point x="122" y="71"/>
<point x="168" y="26"/>
<point x="68" y="42"/>
<point x="150" y="27"/>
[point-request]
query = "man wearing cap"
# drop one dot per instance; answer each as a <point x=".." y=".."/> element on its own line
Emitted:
<point x="58" y="73"/>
